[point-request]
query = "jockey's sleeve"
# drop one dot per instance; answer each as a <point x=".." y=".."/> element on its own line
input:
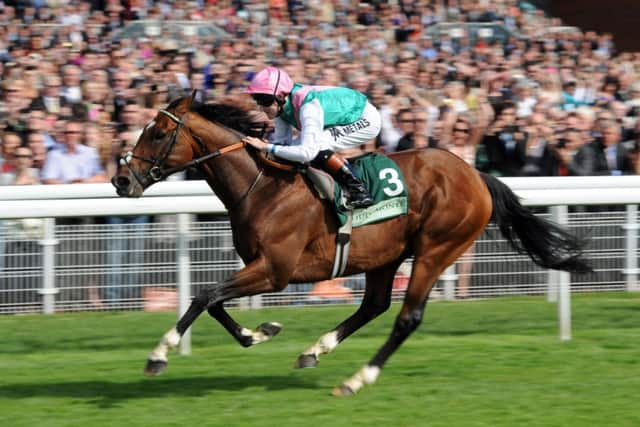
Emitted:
<point x="311" y="125"/>
<point x="282" y="133"/>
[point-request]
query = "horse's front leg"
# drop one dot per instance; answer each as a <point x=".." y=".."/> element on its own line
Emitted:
<point x="246" y="337"/>
<point x="255" y="278"/>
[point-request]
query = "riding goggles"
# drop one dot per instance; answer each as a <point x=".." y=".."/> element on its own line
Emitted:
<point x="264" y="99"/>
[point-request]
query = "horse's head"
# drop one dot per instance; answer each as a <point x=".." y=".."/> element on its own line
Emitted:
<point x="186" y="134"/>
<point x="165" y="143"/>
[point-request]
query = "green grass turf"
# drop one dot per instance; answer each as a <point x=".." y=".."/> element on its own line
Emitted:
<point x="480" y="363"/>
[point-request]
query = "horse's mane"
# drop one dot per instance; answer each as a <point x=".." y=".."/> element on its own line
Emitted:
<point x="237" y="112"/>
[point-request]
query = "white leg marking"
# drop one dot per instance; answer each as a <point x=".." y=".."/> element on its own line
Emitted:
<point x="169" y="340"/>
<point x="258" y="336"/>
<point x="325" y="344"/>
<point x="367" y="375"/>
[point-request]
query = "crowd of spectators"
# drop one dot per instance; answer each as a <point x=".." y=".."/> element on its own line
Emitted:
<point x="539" y="102"/>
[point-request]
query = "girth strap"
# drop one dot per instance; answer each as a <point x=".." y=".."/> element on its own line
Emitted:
<point x="343" y="243"/>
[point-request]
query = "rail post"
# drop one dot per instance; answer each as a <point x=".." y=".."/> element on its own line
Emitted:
<point x="631" y="248"/>
<point x="560" y="215"/>
<point x="184" y="279"/>
<point x="449" y="279"/>
<point x="48" y="243"/>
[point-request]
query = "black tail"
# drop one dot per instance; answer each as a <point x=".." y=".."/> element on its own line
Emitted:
<point x="546" y="243"/>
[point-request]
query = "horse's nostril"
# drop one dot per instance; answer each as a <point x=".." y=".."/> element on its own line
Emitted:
<point x="120" y="181"/>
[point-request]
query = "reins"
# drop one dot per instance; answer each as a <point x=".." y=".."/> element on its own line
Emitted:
<point x="199" y="160"/>
<point x="263" y="158"/>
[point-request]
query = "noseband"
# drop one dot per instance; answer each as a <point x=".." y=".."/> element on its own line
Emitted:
<point x="156" y="172"/>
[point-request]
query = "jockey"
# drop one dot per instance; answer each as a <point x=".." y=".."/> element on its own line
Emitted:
<point x="327" y="118"/>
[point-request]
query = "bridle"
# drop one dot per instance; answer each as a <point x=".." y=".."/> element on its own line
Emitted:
<point x="156" y="172"/>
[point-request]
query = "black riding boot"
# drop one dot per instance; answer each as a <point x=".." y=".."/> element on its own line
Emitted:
<point x="357" y="195"/>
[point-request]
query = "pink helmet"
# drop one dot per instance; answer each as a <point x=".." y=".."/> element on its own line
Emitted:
<point x="271" y="81"/>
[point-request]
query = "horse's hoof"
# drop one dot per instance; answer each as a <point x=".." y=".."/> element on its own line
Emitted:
<point x="269" y="329"/>
<point x="155" y="367"/>
<point x="343" y="390"/>
<point x="306" y="361"/>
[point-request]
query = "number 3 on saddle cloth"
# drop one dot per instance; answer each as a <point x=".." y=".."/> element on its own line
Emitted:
<point x="384" y="181"/>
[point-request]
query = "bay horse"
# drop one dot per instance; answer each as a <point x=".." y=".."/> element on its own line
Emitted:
<point x="285" y="233"/>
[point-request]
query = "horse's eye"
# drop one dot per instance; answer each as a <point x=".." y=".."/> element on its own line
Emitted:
<point x="160" y="134"/>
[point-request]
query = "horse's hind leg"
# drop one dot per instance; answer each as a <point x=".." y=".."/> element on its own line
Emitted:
<point x="427" y="266"/>
<point x="376" y="300"/>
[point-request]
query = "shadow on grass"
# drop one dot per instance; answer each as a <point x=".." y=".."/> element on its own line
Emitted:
<point x="106" y="394"/>
<point x="621" y="308"/>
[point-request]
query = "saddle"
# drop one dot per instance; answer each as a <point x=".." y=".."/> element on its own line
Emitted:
<point x="321" y="181"/>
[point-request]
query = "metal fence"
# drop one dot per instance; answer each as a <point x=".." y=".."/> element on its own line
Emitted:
<point x="134" y="266"/>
